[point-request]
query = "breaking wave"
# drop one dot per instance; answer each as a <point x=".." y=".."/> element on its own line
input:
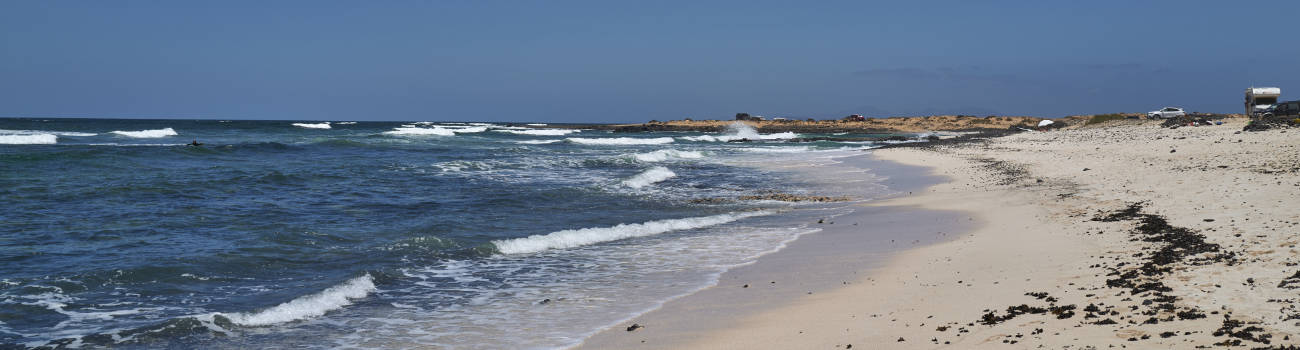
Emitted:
<point x="587" y="236"/>
<point x="325" y="125"/>
<point x="421" y="131"/>
<point x="666" y="154"/>
<point x="308" y="306"/>
<point x="537" y="142"/>
<point x="37" y="139"/>
<point x="148" y="134"/>
<point x="42" y="132"/>
<point x="540" y="132"/>
<point x="797" y="149"/>
<point x="620" y="141"/>
<point x="741" y="131"/>
<point x="648" y="177"/>
<point x="439" y="130"/>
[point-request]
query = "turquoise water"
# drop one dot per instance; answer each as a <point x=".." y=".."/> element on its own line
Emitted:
<point x="369" y="234"/>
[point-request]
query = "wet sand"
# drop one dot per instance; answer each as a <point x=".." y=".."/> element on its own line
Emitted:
<point x="1126" y="236"/>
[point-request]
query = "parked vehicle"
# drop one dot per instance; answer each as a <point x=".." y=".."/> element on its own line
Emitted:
<point x="1285" y="109"/>
<point x="1260" y="99"/>
<point x="1166" y="113"/>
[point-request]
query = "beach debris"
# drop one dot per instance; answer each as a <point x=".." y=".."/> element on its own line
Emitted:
<point x="785" y="197"/>
<point x="900" y="340"/>
<point x="1234" y="329"/>
<point x="634" y="327"/>
<point x="771" y="196"/>
<point x="1292" y="282"/>
<point x="711" y="200"/>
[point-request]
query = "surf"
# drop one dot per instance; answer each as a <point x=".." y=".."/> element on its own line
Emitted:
<point x="588" y="236"/>
<point x="148" y="134"/>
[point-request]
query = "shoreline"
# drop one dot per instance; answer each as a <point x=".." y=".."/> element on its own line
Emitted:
<point x="1108" y="236"/>
<point x="800" y="268"/>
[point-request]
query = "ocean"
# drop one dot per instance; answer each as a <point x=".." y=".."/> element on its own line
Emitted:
<point x="308" y="234"/>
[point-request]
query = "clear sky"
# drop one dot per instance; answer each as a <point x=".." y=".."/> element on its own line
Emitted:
<point x="616" y="61"/>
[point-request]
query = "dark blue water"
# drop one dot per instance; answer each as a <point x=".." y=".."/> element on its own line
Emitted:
<point x="369" y="234"/>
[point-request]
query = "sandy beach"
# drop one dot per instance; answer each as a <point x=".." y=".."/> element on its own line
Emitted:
<point x="1115" y="235"/>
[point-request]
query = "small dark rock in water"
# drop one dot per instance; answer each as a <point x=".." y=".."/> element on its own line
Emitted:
<point x="900" y="339"/>
<point x="634" y="327"/>
<point x="1208" y="220"/>
<point x="848" y="346"/>
<point x="745" y="286"/>
<point x="545" y="301"/>
<point x="1173" y="150"/>
<point x="1086" y="169"/>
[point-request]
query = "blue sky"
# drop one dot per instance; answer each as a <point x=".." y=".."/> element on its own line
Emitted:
<point x="612" y="61"/>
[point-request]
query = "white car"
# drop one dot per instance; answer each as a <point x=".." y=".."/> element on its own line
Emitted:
<point x="1166" y="113"/>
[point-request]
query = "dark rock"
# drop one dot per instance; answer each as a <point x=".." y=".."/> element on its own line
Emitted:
<point x="634" y="327"/>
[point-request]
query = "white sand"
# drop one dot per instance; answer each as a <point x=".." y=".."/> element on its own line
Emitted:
<point x="1037" y="236"/>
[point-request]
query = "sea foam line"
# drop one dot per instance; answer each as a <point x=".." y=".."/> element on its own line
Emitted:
<point x="648" y="177"/>
<point x="148" y="134"/>
<point x="37" y="139"/>
<point x="325" y="125"/>
<point x="312" y="305"/>
<point x="43" y="132"/>
<point x="421" y="131"/>
<point x="620" y="141"/>
<point x="587" y="236"/>
<point x="539" y="132"/>
<point x="665" y="154"/>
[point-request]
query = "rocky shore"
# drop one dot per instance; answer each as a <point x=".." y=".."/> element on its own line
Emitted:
<point x="865" y="126"/>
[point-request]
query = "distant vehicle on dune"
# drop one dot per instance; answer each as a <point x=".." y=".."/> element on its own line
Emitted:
<point x="1166" y="113"/>
<point x="1284" y="109"/>
<point x="1260" y="100"/>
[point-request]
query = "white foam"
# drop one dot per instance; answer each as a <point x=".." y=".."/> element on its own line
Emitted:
<point x="621" y="141"/>
<point x="325" y="125"/>
<point x="470" y="129"/>
<point x="537" y="142"/>
<point x="439" y="130"/>
<point x="421" y="131"/>
<point x="777" y="149"/>
<point x="540" y="132"/>
<point x="37" y="139"/>
<point x="536" y="124"/>
<point x="587" y="236"/>
<point x="741" y="131"/>
<point x="648" y="177"/>
<point x="666" y="154"/>
<point x="308" y="306"/>
<point x="345" y="123"/>
<point x="43" y="132"/>
<point x="148" y="134"/>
